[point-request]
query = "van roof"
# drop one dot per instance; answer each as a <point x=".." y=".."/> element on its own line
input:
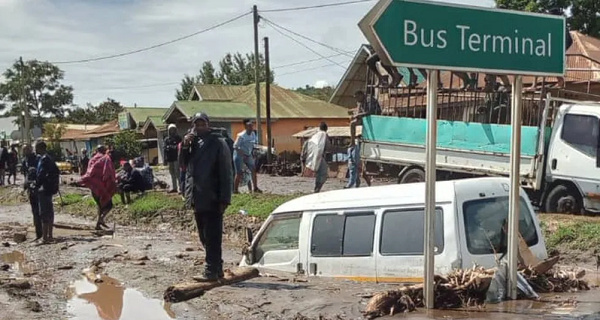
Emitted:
<point x="389" y="195"/>
<point x="589" y="108"/>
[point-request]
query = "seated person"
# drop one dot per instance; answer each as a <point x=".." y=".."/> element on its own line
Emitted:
<point x="130" y="181"/>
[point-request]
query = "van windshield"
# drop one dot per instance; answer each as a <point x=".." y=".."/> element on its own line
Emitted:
<point x="281" y="234"/>
<point x="486" y="221"/>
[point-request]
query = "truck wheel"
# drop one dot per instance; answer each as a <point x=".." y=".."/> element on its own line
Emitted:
<point x="412" y="175"/>
<point x="562" y="199"/>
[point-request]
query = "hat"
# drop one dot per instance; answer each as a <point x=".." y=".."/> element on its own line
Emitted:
<point x="200" y="116"/>
<point x="172" y="125"/>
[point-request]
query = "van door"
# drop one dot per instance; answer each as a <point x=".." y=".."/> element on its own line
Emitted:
<point x="341" y="245"/>
<point x="573" y="154"/>
<point x="401" y="243"/>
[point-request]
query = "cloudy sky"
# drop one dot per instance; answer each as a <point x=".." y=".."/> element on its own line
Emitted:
<point x="67" y="30"/>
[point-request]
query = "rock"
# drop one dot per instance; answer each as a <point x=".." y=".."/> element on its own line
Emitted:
<point x="34" y="306"/>
<point x="5" y="244"/>
<point x="65" y="268"/>
<point x="20" y="284"/>
<point x="142" y="258"/>
<point x="181" y="255"/>
<point x="4" y="267"/>
<point x="139" y="263"/>
<point x="19" y="237"/>
<point x="189" y="249"/>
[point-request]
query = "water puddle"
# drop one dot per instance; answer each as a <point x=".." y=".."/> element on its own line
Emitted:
<point x="17" y="262"/>
<point x="108" y="299"/>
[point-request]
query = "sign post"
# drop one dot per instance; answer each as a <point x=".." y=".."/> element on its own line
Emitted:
<point x="441" y="36"/>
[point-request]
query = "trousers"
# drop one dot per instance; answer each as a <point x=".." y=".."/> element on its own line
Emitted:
<point x="35" y="211"/>
<point x="210" y="231"/>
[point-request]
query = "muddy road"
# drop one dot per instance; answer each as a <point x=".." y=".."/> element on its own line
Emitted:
<point x="138" y="263"/>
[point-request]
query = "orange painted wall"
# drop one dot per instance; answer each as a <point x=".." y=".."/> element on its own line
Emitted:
<point x="284" y="129"/>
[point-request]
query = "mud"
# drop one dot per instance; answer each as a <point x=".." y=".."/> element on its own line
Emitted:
<point x="16" y="262"/>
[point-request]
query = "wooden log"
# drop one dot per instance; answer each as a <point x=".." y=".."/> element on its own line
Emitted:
<point x="190" y="290"/>
<point x="546" y="265"/>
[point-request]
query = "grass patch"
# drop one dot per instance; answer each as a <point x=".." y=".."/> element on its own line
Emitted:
<point x="259" y="205"/>
<point x="72" y="198"/>
<point x="572" y="234"/>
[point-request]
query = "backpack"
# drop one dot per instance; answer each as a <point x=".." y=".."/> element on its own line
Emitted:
<point x="53" y="181"/>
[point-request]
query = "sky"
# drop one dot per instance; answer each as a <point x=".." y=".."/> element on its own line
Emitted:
<point x="67" y="30"/>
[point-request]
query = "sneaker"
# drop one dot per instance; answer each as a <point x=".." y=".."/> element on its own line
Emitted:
<point x="257" y="190"/>
<point x="206" y="277"/>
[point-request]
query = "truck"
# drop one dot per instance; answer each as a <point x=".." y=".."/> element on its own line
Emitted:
<point x="559" y="168"/>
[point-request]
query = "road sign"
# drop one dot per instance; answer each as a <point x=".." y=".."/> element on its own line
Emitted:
<point x="444" y="36"/>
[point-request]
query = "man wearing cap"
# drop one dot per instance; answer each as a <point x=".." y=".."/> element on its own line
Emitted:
<point x="243" y="147"/>
<point x="209" y="184"/>
<point x="171" y="155"/>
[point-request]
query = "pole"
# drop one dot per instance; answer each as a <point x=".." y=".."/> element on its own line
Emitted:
<point x="257" y="73"/>
<point x="268" y="100"/>
<point x="430" y="177"/>
<point x="513" y="197"/>
<point x="26" y="116"/>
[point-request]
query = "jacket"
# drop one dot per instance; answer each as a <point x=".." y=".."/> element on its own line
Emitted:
<point x="170" y="153"/>
<point x="29" y="171"/>
<point x="47" y="175"/>
<point x="209" y="174"/>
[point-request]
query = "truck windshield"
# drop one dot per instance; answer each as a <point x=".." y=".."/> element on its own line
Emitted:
<point x="485" y="221"/>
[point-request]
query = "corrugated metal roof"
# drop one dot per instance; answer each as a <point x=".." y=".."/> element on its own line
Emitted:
<point x="287" y="103"/>
<point x="333" y="132"/>
<point x="140" y="114"/>
<point x="107" y="129"/>
<point x="217" y="92"/>
<point x="215" y="109"/>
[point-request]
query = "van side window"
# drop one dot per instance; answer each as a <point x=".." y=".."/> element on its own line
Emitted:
<point x="281" y="234"/>
<point x="402" y="232"/>
<point x="484" y="221"/>
<point x="335" y="235"/>
<point x="581" y="133"/>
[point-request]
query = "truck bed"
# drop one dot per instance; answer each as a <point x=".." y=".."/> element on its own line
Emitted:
<point x="468" y="147"/>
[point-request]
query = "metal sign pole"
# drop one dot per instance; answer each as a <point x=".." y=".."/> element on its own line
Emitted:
<point x="430" y="175"/>
<point x="513" y="197"/>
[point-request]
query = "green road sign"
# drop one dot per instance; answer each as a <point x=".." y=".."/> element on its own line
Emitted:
<point x="463" y="38"/>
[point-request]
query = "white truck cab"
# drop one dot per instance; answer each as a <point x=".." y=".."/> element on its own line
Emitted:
<point x="376" y="233"/>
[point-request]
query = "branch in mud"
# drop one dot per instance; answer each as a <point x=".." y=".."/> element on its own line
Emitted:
<point x="468" y="288"/>
<point x="190" y="290"/>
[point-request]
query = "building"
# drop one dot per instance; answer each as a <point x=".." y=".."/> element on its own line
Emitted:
<point x="227" y="106"/>
<point x="137" y="118"/>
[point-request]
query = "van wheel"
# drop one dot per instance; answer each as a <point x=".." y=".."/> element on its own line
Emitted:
<point x="412" y="176"/>
<point x="562" y="199"/>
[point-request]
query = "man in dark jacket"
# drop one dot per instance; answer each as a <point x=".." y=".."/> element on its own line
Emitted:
<point x="209" y="185"/>
<point x="171" y="156"/>
<point x="29" y="171"/>
<point x="46" y="181"/>
<point x="130" y="181"/>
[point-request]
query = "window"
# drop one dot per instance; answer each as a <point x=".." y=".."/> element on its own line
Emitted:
<point x="347" y="235"/>
<point x="281" y="234"/>
<point x="402" y="232"/>
<point x="581" y="133"/>
<point x="484" y="221"/>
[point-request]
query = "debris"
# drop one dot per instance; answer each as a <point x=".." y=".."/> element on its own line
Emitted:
<point x="67" y="267"/>
<point x="546" y="265"/>
<point x="67" y="246"/>
<point x="73" y="227"/>
<point x="190" y="249"/>
<point x="19" y="237"/>
<point x="22" y="284"/>
<point x="4" y="267"/>
<point x="148" y="246"/>
<point x="181" y="255"/>
<point x="34" y="306"/>
<point x="107" y="246"/>
<point x="189" y="290"/>
<point x="5" y="244"/>
<point x="139" y="258"/>
<point x="139" y="263"/>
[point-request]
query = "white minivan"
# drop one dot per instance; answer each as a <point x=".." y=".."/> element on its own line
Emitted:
<point x="376" y="233"/>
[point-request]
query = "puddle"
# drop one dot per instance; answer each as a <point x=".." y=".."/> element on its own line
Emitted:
<point x="17" y="262"/>
<point x="110" y="300"/>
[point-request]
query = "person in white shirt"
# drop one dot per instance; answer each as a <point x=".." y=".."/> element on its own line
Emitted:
<point x="243" y="147"/>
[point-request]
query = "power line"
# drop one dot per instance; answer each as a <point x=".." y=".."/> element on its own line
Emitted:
<point x="156" y="45"/>
<point x="335" y="4"/>
<point x="334" y="49"/>
<point x="156" y="85"/>
<point x="305" y="46"/>
<point x="307" y="61"/>
<point x="309" y="69"/>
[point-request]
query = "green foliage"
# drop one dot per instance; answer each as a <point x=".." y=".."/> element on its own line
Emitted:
<point x="52" y="133"/>
<point x="259" y="205"/>
<point x="324" y="93"/>
<point x="584" y="14"/>
<point x="102" y="113"/>
<point x="71" y="198"/>
<point x="40" y="83"/>
<point x="125" y="143"/>
<point x="234" y="69"/>
<point x="573" y="235"/>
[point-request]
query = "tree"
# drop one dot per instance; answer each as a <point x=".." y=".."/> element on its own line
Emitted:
<point x="53" y="131"/>
<point x="104" y="112"/>
<point x="40" y="83"/>
<point x="584" y="14"/>
<point x="234" y="69"/>
<point x="320" y="93"/>
<point x="126" y="145"/>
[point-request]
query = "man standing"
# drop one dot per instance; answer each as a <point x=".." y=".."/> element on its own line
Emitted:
<point x="170" y="155"/>
<point x="100" y="179"/>
<point x="29" y="171"/>
<point x="46" y="181"/>
<point x="367" y="105"/>
<point x="315" y="151"/>
<point x="3" y="161"/>
<point x="208" y="189"/>
<point x="11" y="164"/>
<point x="83" y="163"/>
<point x="243" y="147"/>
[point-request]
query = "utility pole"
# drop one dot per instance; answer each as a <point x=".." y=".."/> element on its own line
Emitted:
<point x="257" y="73"/>
<point x="25" y="109"/>
<point x="268" y="100"/>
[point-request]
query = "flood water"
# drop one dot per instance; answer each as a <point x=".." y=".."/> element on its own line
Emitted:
<point x="17" y="262"/>
<point x="110" y="300"/>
